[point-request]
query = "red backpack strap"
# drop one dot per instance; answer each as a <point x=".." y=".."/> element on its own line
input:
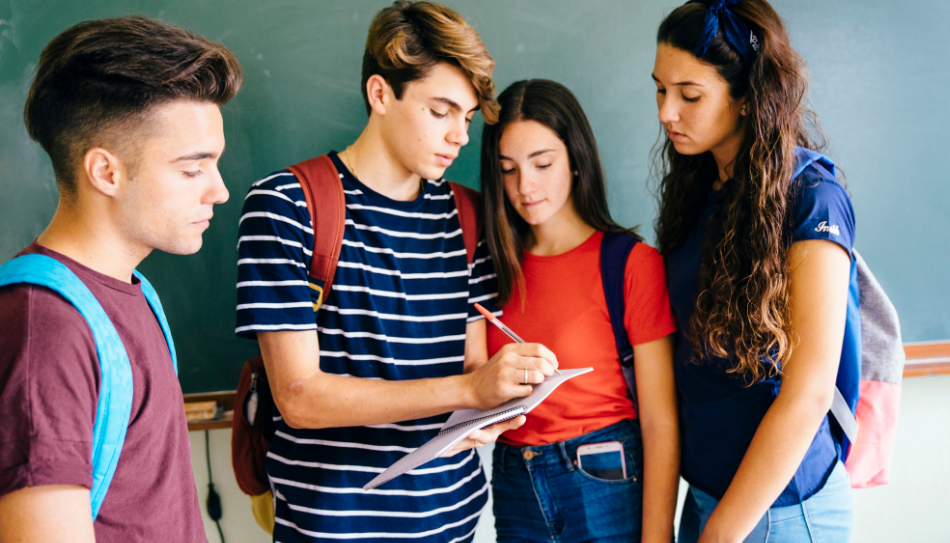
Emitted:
<point x="469" y="206"/>
<point x="318" y="176"/>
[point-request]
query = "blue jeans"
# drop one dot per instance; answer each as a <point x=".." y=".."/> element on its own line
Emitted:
<point x="825" y="517"/>
<point x="539" y="493"/>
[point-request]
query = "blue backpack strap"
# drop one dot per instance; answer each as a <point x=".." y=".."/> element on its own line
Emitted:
<point x="115" y="386"/>
<point x="614" y="251"/>
<point x="156" y="306"/>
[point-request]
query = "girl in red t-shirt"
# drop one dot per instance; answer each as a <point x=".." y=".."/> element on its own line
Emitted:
<point x="546" y="215"/>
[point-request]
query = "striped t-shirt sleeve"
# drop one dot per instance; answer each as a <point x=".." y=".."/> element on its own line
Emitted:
<point x="482" y="283"/>
<point x="275" y="241"/>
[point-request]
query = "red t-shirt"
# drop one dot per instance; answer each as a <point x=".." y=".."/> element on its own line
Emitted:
<point x="565" y="309"/>
<point x="49" y="388"/>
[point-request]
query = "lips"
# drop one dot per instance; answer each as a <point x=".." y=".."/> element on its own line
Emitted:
<point x="677" y="136"/>
<point x="445" y="160"/>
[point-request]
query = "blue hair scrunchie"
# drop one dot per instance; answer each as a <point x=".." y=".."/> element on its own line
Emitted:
<point x="734" y="30"/>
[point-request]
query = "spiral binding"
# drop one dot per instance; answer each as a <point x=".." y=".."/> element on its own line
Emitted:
<point x="507" y="414"/>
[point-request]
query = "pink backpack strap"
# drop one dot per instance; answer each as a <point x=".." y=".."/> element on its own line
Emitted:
<point x="469" y="206"/>
<point x="318" y="176"/>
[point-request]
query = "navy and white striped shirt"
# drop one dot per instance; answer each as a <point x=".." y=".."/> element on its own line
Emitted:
<point x="401" y="298"/>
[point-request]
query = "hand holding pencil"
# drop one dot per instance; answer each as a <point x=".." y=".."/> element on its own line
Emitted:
<point x="511" y="371"/>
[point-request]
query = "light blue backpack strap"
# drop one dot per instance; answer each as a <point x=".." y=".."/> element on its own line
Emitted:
<point x="115" y="385"/>
<point x="156" y="305"/>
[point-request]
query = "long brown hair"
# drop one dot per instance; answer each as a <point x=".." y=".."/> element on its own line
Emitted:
<point x="554" y="106"/>
<point x="742" y="308"/>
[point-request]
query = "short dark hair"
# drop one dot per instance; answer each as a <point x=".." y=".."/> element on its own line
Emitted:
<point x="99" y="75"/>
<point x="408" y="38"/>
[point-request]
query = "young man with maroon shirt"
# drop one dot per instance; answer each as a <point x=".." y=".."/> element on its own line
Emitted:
<point x="127" y="110"/>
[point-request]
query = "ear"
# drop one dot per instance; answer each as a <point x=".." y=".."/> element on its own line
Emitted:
<point x="743" y="105"/>
<point x="104" y="171"/>
<point x="379" y="93"/>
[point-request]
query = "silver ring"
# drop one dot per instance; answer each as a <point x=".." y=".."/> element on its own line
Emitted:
<point x="525" y="382"/>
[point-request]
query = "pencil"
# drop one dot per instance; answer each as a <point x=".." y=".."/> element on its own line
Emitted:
<point x="501" y="326"/>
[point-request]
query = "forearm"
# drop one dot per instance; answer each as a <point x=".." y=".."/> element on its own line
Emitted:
<point x="333" y="401"/>
<point x="661" y="463"/>
<point x="776" y="451"/>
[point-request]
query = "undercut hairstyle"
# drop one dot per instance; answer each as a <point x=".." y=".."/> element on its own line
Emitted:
<point x="97" y="82"/>
<point x="554" y="106"/>
<point x="407" y="39"/>
<point x="742" y="311"/>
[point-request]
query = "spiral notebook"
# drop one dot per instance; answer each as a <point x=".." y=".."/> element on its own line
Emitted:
<point x="465" y="421"/>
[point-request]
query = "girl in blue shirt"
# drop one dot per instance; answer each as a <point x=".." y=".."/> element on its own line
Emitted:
<point x="759" y="268"/>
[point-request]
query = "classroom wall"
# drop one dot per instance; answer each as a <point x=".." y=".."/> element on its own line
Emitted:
<point x="911" y="508"/>
<point x="879" y="79"/>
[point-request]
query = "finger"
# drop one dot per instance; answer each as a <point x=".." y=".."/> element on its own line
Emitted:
<point x="527" y="376"/>
<point x="537" y="350"/>
<point x="539" y="364"/>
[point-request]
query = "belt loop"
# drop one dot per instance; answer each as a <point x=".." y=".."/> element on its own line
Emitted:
<point x="568" y="461"/>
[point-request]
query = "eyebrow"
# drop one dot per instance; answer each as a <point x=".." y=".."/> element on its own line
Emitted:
<point x="532" y="155"/>
<point x="452" y="104"/>
<point x="200" y="155"/>
<point x="681" y="83"/>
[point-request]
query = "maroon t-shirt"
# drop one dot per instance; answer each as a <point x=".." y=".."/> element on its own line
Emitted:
<point x="49" y="389"/>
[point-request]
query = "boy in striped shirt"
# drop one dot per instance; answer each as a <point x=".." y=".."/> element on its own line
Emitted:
<point x="371" y="373"/>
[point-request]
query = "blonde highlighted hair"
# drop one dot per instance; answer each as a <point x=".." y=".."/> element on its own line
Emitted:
<point x="408" y="38"/>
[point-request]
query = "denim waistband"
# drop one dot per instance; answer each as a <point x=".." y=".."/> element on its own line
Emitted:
<point x="563" y="452"/>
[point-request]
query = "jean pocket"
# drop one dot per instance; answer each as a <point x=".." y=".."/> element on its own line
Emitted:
<point x="633" y="462"/>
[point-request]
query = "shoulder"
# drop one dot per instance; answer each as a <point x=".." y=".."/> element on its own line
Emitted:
<point x="42" y="312"/>
<point x="821" y="208"/>
<point x="645" y="265"/>
<point x="40" y="325"/>
<point x="278" y="191"/>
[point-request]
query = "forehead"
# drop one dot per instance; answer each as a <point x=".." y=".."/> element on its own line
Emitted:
<point x="185" y="122"/>
<point x="444" y="80"/>
<point x="675" y="65"/>
<point x="522" y="138"/>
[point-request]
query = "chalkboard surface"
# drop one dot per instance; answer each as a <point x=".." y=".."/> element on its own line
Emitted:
<point x="879" y="82"/>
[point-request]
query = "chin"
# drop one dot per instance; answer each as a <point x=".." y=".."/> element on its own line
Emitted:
<point x="182" y="246"/>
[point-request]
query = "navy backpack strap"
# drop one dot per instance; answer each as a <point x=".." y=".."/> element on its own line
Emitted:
<point x="115" y="388"/>
<point x="614" y="251"/>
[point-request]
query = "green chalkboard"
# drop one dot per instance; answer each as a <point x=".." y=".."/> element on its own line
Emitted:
<point x="879" y="80"/>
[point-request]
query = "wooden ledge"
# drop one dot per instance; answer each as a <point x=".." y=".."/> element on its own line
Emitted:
<point x="924" y="359"/>
<point x="225" y="399"/>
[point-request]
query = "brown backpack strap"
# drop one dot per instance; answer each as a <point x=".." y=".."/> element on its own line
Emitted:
<point x="318" y="176"/>
<point x="469" y="206"/>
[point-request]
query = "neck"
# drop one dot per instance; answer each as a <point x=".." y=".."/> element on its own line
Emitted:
<point x="375" y="164"/>
<point x="725" y="156"/>
<point x="559" y="234"/>
<point x="86" y="236"/>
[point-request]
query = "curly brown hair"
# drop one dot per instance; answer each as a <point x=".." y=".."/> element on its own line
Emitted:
<point x="742" y="311"/>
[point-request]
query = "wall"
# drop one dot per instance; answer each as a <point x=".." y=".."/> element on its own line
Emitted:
<point x="879" y="75"/>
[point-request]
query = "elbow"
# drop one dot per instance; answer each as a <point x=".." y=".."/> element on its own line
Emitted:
<point x="294" y="411"/>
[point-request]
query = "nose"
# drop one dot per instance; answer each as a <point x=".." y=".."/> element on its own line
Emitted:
<point x="667" y="111"/>
<point x="217" y="193"/>
<point x="527" y="184"/>
<point x="458" y="134"/>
